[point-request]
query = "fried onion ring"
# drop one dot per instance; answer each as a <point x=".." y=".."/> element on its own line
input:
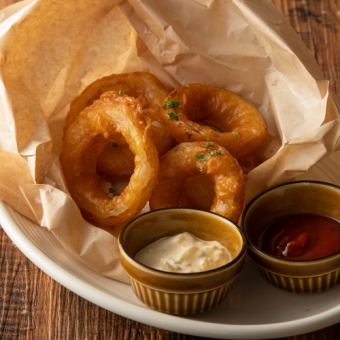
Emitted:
<point x="101" y="121"/>
<point x="200" y="112"/>
<point x="189" y="160"/>
<point x="141" y="85"/>
<point x="116" y="160"/>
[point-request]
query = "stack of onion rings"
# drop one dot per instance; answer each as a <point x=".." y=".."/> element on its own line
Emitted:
<point x="120" y="125"/>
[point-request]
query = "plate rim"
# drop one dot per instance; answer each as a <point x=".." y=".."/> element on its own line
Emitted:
<point x="147" y="316"/>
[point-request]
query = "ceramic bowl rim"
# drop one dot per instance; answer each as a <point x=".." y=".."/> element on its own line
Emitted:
<point x="153" y="271"/>
<point x="295" y="263"/>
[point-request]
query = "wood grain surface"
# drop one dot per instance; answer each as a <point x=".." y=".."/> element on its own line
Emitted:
<point x="33" y="306"/>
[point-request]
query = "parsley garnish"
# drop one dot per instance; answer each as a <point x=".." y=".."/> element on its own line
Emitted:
<point x="112" y="192"/>
<point x="172" y="115"/>
<point x="211" y="153"/>
<point x="214" y="152"/>
<point x="200" y="156"/>
<point x="171" y="103"/>
<point x="234" y="135"/>
<point x="209" y="145"/>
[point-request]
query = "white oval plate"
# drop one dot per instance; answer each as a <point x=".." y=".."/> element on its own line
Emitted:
<point x="254" y="308"/>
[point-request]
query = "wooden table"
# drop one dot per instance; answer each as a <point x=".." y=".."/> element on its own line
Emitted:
<point x="33" y="306"/>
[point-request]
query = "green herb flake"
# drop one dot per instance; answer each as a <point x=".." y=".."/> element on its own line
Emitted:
<point x="200" y="156"/>
<point x="234" y="135"/>
<point x="114" y="145"/>
<point x="172" y="115"/>
<point x="112" y="192"/>
<point x="171" y="103"/>
<point x="215" y="153"/>
<point x="209" y="145"/>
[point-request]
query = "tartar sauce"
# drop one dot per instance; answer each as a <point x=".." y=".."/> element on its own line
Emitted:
<point x="184" y="253"/>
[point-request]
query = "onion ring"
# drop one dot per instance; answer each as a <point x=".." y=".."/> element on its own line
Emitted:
<point x="200" y="158"/>
<point x="200" y="112"/>
<point x="116" y="160"/>
<point x="197" y="192"/>
<point x="101" y="121"/>
<point x="141" y="85"/>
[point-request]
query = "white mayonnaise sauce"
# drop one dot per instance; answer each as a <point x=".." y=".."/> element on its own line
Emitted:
<point x="184" y="253"/>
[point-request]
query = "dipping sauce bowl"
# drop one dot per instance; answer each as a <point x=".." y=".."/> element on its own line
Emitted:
<point x="294" y="198"/>
<point x="180" y="293"/>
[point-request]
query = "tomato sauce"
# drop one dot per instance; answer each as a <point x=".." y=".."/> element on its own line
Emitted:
<point x="301" y="237"/>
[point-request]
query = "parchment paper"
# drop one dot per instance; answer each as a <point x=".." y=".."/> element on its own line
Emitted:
<point x="52" y="49"/>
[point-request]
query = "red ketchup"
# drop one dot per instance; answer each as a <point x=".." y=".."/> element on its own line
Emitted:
<point x="301" y="237"/>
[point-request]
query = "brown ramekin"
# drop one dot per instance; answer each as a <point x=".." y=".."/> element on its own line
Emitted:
<point x="180" y="293"/>
<point x="293" y="198"/>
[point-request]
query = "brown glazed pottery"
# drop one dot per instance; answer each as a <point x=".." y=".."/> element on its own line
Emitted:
<point x="288" y="199"/>
<point x="180" y="293"/>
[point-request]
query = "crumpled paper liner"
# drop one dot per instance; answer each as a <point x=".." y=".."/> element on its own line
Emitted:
<point x="52" y="49"/>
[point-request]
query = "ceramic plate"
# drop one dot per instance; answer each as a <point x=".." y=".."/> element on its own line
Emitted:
<point x="254" y="308"/>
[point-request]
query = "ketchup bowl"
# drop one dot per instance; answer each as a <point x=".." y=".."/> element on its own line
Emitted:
<point x="293" y="235"/>
<point x="178" y="292"/>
